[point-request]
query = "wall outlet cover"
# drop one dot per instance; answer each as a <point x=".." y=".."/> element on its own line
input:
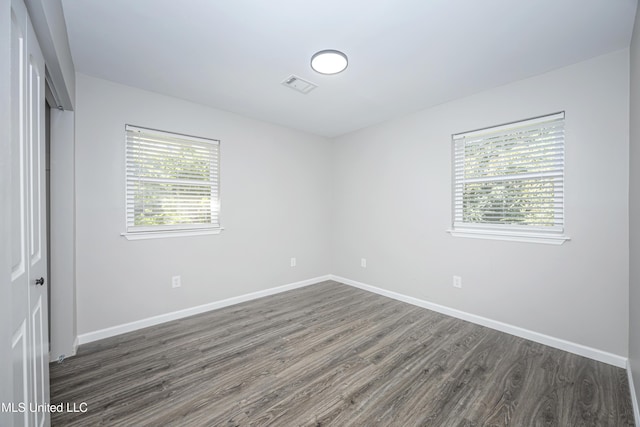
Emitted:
<point x="457" y="282"/>
<point x="176" y="282"/>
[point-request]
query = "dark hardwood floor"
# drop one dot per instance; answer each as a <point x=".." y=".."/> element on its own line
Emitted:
<point x="330" y="354"/>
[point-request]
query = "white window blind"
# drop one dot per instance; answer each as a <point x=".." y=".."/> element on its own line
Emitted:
<point x="172" y="181"/>
<point x="510" y="179"/>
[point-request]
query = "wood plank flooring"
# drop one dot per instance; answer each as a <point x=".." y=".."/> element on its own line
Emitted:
<point x="333" y="355"/>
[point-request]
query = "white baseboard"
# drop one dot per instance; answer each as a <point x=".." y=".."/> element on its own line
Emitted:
<point x="579" y="349"/>
<point x="155" y="320"/>
<point x="634" y="397"/>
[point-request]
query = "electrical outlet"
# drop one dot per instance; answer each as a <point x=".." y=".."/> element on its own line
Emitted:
<point x="176" y="282"/>
<point x="363" y="262"/>
<point x="293" y="262"/>
<point x="457" y="282"/>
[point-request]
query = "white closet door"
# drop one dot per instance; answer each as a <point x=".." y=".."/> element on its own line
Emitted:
<point x="28" y="224"/>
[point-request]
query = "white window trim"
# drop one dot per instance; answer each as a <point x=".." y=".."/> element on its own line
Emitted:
<point x="177" y="230"/>
<point x="142" y="235"/>
<point x="506" y="232"/>
<point x="513" y="236"/>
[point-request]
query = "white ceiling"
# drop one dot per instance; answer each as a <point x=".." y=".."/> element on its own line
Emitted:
<point x="404" y="55"/>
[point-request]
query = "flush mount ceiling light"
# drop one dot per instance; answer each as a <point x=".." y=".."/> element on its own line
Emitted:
<point x="329" y="61"/>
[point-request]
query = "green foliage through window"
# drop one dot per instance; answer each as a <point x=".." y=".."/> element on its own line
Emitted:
<point x="172" y="181"/>
<point x="511" y="175"/>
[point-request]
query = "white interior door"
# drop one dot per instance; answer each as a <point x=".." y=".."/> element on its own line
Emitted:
<point x="37" y="222"/>
<point x="22" y="387"/>
<point x="28" y="224"/>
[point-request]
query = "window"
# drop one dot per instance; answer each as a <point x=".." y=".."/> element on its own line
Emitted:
<point x="509" y="181"/>
<point x="172" y="184"/>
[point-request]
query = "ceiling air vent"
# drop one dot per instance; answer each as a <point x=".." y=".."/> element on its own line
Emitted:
<point x="296" y="83"/>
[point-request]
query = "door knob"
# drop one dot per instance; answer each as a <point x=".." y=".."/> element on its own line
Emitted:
<point x="40" y="281"/>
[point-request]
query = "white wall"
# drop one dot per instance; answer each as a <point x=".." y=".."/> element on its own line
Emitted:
<point x="392" y="205"/>
<point x="634" y="210"/>
<point x="275" y="205"/>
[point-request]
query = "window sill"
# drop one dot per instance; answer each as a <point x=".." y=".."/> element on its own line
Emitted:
<point x="513" y="236"/>
<point x="141" y="235"/>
